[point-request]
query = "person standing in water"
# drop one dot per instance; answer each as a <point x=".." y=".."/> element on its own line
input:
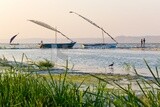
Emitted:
<point x="144" y="40"/>
<point x="141" y="43"/>
<point x="41" y="44"/>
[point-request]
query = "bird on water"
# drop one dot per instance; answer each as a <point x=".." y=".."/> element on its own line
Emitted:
<point x="111" y="65"/>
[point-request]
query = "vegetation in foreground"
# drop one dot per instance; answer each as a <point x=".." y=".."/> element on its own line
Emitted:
<point x="18" y="88"/>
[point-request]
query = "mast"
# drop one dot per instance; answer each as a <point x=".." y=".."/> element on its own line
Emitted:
<point x="103" y="37"/>
<point x="55" y="36"/>
<point x="94" y="25"/>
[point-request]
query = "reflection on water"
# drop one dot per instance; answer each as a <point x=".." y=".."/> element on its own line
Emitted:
<point x="92" y="60"/>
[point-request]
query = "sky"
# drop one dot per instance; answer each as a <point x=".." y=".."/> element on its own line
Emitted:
<point x="117" y="17"/>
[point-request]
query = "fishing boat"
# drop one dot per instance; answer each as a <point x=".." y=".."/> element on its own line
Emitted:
<point x="54" y="45"/>
<point x="102" y="45"/>
<point x="58" y="45"/>
<point x="13" y="45"/>
<point x="11" y="40"/>
<point x="99" y="45"/>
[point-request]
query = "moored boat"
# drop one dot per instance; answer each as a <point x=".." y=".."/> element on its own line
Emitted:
<point x="58" y="45"/>
<point x="99" y="45"/>
<point x="54" y="45"/>
<point x="102" y="45"/>
<point x="12" y="38"/>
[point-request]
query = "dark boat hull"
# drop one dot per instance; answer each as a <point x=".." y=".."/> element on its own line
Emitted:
<point x="100" y="45"/>
<point x="58" y="45"/>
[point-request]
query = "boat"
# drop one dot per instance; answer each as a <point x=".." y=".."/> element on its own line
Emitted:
<point x="54" y="45"/>
<point x="58" y="45"/>
<point x="99" y="45"/>
<point x="11" y="40"/>
<point x="102" y="45"/>
<point x="13" y="45"/>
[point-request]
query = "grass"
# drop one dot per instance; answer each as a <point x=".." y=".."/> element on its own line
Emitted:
<point x="45" y="64"/>
<point x="18" y="88"/>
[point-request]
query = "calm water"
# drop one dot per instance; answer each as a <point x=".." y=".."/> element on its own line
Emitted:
<point x="79" y="45"/>
<point x="91" y="60"/>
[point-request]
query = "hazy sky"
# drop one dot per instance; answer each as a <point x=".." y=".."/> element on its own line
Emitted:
<point x="117" y="17"/>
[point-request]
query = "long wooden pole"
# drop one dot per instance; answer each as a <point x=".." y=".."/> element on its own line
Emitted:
<point x="49" y="27"/>
<point x="94" y="25"/>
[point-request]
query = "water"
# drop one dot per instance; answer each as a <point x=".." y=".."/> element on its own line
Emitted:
<point x="79" y="45"/>
<point x="137" y="45"/>
<point x="92" y="60"/>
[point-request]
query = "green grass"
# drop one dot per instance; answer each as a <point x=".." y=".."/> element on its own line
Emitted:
<point x="45" y="64"/>
<point x="25" y="89"/>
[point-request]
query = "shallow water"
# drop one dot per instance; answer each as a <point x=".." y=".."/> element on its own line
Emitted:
<point x="92" y="60"/>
